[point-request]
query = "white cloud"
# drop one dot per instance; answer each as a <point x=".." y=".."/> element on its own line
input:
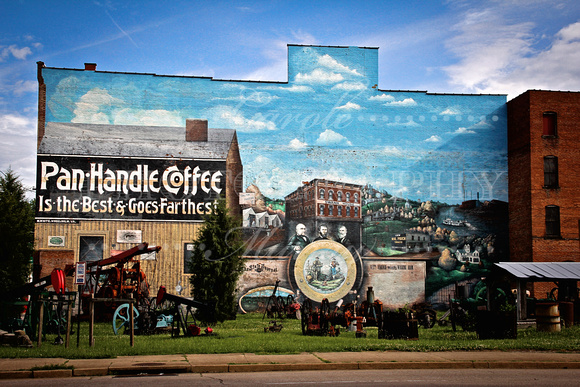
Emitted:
<point x="297" y="144"/>
<point x="319" y="76"/>
<point x="382" y="98"/>
<point x="18" y="147"/>
<point x="21" y="87"/>
<point x="404" y="103"/>
<point x="503" y="57"/>
<point x="433" y="139"/>
<point x="329" y="137"/>
<point x="349" y="86"/>
<point x="18" y="53"/>
<point x="349" y="106"/>
<point x="331" y="63"/>
<point x="14" y="124"/>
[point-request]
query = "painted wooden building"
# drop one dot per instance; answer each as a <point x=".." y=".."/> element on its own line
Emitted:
<point x="104" y="188"/>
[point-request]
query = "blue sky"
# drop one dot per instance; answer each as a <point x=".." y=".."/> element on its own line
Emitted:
<point x="503" y="47"/>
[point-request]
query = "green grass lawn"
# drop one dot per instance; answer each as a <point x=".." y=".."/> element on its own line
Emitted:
<point x="246" y="335"/>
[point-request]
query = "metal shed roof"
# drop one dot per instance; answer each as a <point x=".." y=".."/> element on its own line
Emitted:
<point x="542" y="271"/>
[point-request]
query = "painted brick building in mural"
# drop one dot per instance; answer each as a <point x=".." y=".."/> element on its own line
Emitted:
<point x="415" y="156"/>
<point x="544" y="170"/>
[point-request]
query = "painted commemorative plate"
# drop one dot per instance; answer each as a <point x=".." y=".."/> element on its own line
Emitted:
<point x="325" y="269"/>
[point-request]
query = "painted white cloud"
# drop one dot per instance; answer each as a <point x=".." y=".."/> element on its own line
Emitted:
<point x="329" y="137"/>
<point x="349" y="106"/>
<point x="252" y="98"/>
<point x="298" y="89"/>
<point x="231" y="118"/>
<point x="319" y="76"/>
<point x="89" y="108"/>
<point x="297" y="144"/>
<point x="349" y="86"/>
<point x="433" y="138"/>
<point x="464" y="131"/>
<point x="382" y="98"/>
<point x="404" y="103"/>
<point x="450" y="112"/>
<point x="393" y="151"/>
<point x="147" y="117"/>
<point x="331" y="63"/>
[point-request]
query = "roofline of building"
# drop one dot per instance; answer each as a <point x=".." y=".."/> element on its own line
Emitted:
<point x="323" y="46"/>
<point x="258" y="81"/>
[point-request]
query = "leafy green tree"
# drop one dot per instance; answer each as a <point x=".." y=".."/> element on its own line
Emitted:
<point x="217" y="263"/>
<point x="16" y="232"/>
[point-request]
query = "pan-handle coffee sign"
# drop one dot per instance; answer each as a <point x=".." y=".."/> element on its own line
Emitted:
<point x="127" y="188"/>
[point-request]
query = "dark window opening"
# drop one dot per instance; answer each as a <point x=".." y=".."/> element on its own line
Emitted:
<point x="550" y="120"/>
<point x="550" y="172"/>
<point x="552" y="222"/>
<point x="187" y="257"/>
<point x="91" y="248"/>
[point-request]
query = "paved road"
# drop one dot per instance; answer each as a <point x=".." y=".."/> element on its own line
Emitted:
<point x="437" y="377"/>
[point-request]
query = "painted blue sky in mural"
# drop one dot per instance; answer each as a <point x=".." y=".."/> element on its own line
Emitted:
<point x="452" y="46"/>
<point x="330" y="120"/>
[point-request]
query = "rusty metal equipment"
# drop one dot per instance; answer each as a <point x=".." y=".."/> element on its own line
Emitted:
<point x="280" y="308"/>
<point x="399" y="324"/>
<point x="371" y="309"/>
<point x="27" y="299"/>
<point x="119" y="276"/>
<point x="320" y="321"/>
<point x="183" y="314"/>
<point x="426" y="315"/>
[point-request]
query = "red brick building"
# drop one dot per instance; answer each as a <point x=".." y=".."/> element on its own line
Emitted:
<point x="327" y="203"/>
<point x="544" y="179"/>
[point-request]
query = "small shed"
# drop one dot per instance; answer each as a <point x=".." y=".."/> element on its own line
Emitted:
<point x="524" y="272"/>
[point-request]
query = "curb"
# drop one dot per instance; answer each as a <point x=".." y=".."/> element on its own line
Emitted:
<point x="227" y="368"/>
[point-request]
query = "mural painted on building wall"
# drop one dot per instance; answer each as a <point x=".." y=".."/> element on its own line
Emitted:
<point x="387" y="176"/>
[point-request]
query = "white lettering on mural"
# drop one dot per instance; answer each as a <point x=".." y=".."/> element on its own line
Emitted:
<point x="161" y="206"/>
<point x="173" y="180"/>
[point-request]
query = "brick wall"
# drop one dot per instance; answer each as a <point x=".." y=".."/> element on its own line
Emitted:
<point x="528" y="197"/>
<point x="47" y="260"/>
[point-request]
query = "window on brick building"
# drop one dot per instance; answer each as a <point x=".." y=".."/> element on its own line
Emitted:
<point x="330" y="210"/>
<point x="321" y="210"/>
<point x="321" y="193"/>
<point x="552" y="221"/>
<point x="339" y="196"/>
<point x="550" y="172"/>
<point x="348" y="196"/>
<point x="550" y="121"/>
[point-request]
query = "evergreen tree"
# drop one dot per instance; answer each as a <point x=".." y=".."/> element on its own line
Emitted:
<point x="16" y="232"/>
<point x="217" y="263"/>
